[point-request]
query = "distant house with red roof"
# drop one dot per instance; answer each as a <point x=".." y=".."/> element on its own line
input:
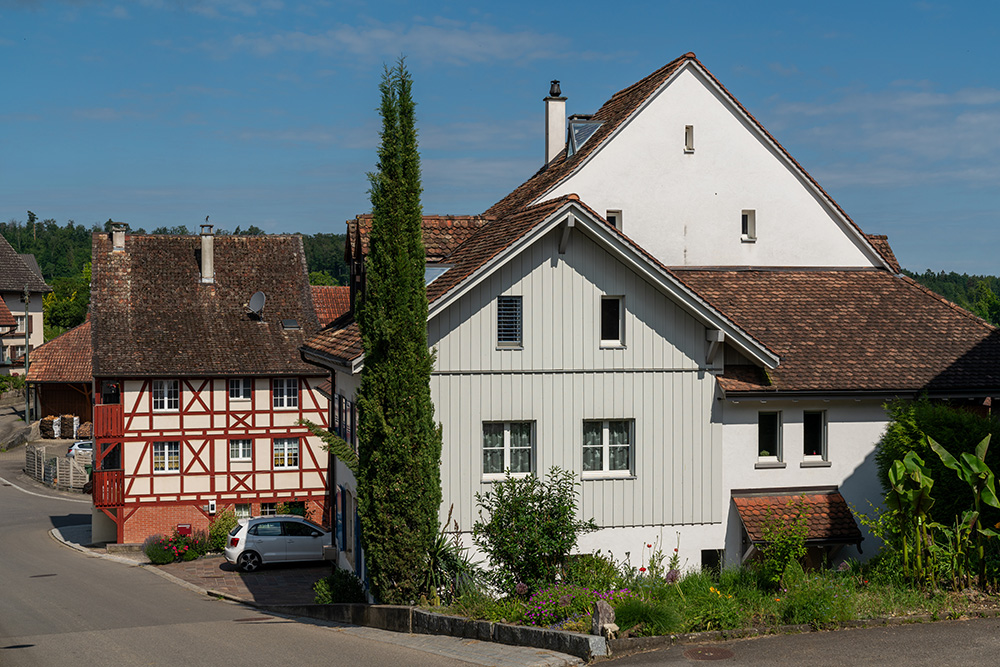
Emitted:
<point x="62" y="374"/>
<point x="676" y="311"/>
<point x="19" y="275"/>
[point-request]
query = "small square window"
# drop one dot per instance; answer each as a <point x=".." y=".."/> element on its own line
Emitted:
<point x="615" y="219"/>
<point x="814" y="435"/>
<point x="268" y="509"/>
<point x="509" y="321"/>
<point x="748" y="225"/>
<point x="240" y="450"/>
<point x="240" y="389"/>
<point x="612" y="321"/>
<point x="286" y="392"/>
<point x="607" y="447"/>
<point x="242" y="510"/>
<point x="508" y="446"/>
<point x="166" y="395"/>
<point x="166" y="456"/>
<point x="689" y="138"/>
<point x="286" y="453"/>
<point x="769" y="436"/>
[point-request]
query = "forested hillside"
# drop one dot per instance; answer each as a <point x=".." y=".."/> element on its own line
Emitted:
<point x="63" y="254"/>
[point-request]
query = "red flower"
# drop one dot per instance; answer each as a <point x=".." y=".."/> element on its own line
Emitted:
<point x="675" y="549"/>
<point x="642" y="569"/>
<point x="649" y="546"/>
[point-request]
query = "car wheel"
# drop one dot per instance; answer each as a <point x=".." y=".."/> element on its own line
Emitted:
<point x="249" y="561"/>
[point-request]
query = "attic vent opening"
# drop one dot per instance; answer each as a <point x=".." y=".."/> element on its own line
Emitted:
<point x="289" y="324"/>
<point x="581" y="128"/>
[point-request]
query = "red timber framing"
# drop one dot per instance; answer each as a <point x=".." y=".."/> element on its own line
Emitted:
<point x="199" y="468"/>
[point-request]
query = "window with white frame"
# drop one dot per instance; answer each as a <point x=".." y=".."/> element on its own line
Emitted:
<point x="748" y="225"/>
<point x="240" y="389"/>
<point x="166" y="456"/>
<point x="508" y="446"/>
<point x="286" y="453"/>
<point x="286" y="392"/>
<point x="240" y="450"/>
<point x="20" y="324"/>
<point x="769" y="436"/>
<point x="814" y="435"/>
<point x="608" y="447"/>
<point x="509" y="330"/>
<point x="689" y="138"/>
<point x="615" y="219"/>
<point x="242" y="510"/>
<point x="612" y="321"/>
<point x="16" y="352"/>
<point x="166" y="395"/>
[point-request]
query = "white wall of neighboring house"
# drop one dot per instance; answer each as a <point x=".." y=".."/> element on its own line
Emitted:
<point x="15" y="340"/>
<point x="685" y="207"/>
<point x="346" y="385"/>
<point x="853" y="428"/>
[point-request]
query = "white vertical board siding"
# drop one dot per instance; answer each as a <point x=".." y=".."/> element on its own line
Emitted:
<point x="561" y="377"/>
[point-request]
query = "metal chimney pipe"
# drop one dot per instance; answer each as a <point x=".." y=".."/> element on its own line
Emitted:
<point x="207" y="254"/>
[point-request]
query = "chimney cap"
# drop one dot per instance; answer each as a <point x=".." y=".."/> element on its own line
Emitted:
<point x="554" y="90"/>
<point x="206" y="229"/>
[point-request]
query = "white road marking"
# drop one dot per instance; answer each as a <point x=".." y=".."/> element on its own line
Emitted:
<point x="42" y="495"/>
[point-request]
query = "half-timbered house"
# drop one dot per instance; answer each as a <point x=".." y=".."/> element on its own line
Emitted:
<point x="199" y="386"/>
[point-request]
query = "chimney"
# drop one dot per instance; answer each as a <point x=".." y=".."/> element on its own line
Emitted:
<point x="118" y="236"/>
<point x="207" y="254"/>
<point x="555" y="122"/>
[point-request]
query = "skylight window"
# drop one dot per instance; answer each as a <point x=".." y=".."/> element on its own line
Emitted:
<point x="434" y="271"/>
<point x="580" y="130"/>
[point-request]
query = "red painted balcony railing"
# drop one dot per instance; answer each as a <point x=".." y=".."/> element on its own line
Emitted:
<point x="109" y="421"/>
<point x="109" y="488"/>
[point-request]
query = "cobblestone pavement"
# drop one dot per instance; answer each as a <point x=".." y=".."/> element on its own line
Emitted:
<point x="289" y="583"/>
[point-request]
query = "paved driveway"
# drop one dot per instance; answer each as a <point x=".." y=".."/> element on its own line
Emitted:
<point x="272" y="585"/>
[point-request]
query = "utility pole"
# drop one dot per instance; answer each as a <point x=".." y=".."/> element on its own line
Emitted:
<point x="27" y="336"/>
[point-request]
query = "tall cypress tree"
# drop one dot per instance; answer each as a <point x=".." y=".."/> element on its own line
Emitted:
<point x="399" y="490"/>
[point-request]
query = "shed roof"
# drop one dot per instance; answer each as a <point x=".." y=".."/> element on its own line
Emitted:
<point x="64" y="359"/>
<point x="828" y="518"/>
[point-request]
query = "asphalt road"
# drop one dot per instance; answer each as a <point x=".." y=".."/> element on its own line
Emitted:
<point x="60" y="607"/>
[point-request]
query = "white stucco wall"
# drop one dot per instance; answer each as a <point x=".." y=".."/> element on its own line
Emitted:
<point x="685" y="207"/>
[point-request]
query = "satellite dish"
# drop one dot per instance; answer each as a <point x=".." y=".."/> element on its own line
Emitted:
<point x="257" y="303"/>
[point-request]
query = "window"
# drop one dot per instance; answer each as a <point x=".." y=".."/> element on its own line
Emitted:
<point x="814" y="434"/>
<point x="166" y="456"/>
<point x="689" y="138"/>
<point x="286" y="453"/>
<point x="240" y="450"/>
<point x="240" y="388"/>
<point x="268" y="509"/>
<point x="607" y="447"/>
<point x="769" y="436"/>
<point x="507" y="446"/>
<point x="509" y="321"/>
<point x="611" y="321"/>
<point x="242" y="510"/>
<point x="615" y="218"/>
<point x="286" y="393"/>
<point x="166" y="395"/>
<point x="748" y="225"/>
<point x="20" y="323"/>
<point x="16" y="352"/>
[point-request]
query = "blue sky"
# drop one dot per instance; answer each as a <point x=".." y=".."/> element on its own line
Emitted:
<point x="263" y="112"/>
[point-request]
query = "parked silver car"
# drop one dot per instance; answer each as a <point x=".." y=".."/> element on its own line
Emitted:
<point x="281" y="538"/>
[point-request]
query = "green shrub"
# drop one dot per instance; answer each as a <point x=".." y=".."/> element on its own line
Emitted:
<point x="340" y="587"/>
<point x="784" y="540"/>
<point x="646" y="618"/>
<point x="958" y="431"/>
<point x="530" y="529"/>
<point x="592" y="571"/>
<point x="218" y="531"/>
<point x="814" y="599"/>
<point x="158" y="549"/>
<point x="450" y="570"/>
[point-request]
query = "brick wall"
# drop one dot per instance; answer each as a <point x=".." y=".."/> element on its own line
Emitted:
<point x="163" y="519"/>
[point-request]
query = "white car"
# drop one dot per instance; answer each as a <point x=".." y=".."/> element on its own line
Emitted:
<point x="262" y="540"/>
<point x="80" y="446"/>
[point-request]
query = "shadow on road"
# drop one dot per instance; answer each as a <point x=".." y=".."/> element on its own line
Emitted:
<point x="65" y="520"/>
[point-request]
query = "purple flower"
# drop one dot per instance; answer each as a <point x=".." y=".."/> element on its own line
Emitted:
<point x="673" y="576"/>
<point x="521" y="588"/>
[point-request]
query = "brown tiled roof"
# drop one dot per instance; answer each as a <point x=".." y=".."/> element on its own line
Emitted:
<point x="881" y="243"/>
<point x="6" y="318"/>
<point x="152" y="316"/>
<point x="442" y="233"/>
<point x="342" y="340"/>
<point x="865" y="330"/>
<point x="64" y="359"/>
<point x="616" y="111"/>
<point x="828" y="517"/>
<point x="15" y="274"/>
<point x="330" y="302"/>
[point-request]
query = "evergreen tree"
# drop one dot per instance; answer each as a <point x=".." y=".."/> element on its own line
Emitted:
<point x="400" y="444"/>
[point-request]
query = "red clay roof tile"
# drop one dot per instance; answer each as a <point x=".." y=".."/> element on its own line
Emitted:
<point x="63" y="359"/>
<point x="828" y="517"/>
